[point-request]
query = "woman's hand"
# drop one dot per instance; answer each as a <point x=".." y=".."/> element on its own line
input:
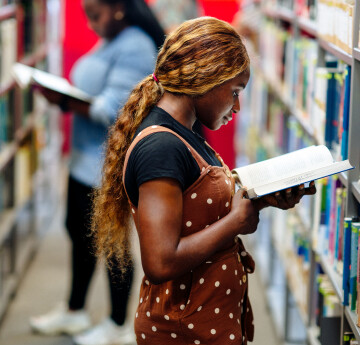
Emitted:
<point x="285" y="199"/>
<point x="51" y="96"/>
<point x="246" y="213"/>
<point x="66" y="103"/>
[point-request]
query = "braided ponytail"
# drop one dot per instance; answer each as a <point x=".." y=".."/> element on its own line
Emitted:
<point x="111" y="216"/>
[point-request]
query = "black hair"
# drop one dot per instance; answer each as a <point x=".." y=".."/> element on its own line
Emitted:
<point x="138" y="13"/>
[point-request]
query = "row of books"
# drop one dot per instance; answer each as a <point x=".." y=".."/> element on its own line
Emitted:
<point x="335" y="22"/>
<point x="8" y="49"/>
<point x="22" y="35"/>
<point x="33" y="29"/>
<point x="318" y="96"/>
<point x="333" y="19"/>
<point x="6" y="119"/>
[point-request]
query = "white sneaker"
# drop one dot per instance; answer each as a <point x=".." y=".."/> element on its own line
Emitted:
<point x="61" y="320"/>
<point x="106" y="333"/>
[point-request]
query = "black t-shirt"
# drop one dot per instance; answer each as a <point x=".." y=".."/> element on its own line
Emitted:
<point x="164" y="155"/>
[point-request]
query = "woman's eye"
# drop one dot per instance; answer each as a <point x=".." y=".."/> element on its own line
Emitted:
<point x="235" y="94"/>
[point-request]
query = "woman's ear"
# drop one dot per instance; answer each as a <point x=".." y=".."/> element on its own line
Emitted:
<point x="119" y="11"/>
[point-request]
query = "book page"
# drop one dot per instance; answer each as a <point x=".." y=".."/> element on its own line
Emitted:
<point x="333" y="168"/>
<point x="281" y="167"/>
<point x="25" y="75"/>
<point x="60" y="85"/>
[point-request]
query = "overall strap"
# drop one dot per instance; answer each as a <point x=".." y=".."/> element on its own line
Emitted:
<point x="156" y="129"/>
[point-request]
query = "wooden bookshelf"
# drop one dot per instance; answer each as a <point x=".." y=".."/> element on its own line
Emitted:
<point x="336" y="51"/>
<point x="20" y="221"/>
<point x="356" y="190"/>
<point x="356" y="53"/>
<point x="307" y="25"/>
<point x="291" y="28"/>
<point x="352" y="318"/>
<point x="4" y="89"/>
<point x="335" y="278"/>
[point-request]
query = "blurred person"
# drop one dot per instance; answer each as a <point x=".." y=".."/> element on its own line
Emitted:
<point x="130" y="36"/>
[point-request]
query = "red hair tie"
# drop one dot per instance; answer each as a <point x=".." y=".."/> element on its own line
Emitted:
<point x="154" y="76"/>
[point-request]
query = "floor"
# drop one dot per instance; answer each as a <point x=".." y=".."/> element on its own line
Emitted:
<point x="46" y="282"/>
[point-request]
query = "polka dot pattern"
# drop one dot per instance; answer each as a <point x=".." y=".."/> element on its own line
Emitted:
<point x="156" y="318"/>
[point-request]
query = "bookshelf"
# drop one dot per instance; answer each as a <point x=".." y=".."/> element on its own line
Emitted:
<point x="30" y="137"/>
<point x="294" y="56"/>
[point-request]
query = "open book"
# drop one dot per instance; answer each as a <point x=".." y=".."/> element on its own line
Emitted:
<point x="289" y="170"/>
<point x="25" y="76"/>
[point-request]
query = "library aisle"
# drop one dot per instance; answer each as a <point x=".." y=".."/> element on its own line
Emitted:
<point x="46" y="281"/>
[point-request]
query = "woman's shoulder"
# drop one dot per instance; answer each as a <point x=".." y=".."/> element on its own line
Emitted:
<point x="134" y="37"/>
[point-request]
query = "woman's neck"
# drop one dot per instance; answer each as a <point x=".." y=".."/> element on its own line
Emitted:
<point x="181" y="108"/>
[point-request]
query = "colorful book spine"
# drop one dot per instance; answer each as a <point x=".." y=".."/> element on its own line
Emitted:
<point x="346" y="111"/>
<point x="355" y="227"/>
<point x="346" y="258"/>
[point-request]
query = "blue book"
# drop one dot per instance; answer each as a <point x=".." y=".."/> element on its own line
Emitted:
<point x="353" y="264"/>
<point x="346" y="111"/>
<point x="346" y="260"/>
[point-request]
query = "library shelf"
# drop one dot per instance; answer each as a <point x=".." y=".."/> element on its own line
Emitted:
<point x="6" y="87"/>
<point x="307" y="25"/>
<point x="343" y="178"/>
<point x="7" y="221"/>
<point x="335" y="278"/>
<point x="280" y="13"/>
<point x="356" y="190"/>
<point x="23" y="132"/>
<point x="356" y="53"/>
<point x="276" y="89"/>
<point x="273" y="296"/>
<point x="336" y="51"/>
<point x="39" y="55"/>
<point x="7" y="11"/>
<point x="312" y="335"/>
<point x="352" y="320"/>
<point x="286" y="256"/>
<point x="6" y="154"/>
<point x="8" y="288"/>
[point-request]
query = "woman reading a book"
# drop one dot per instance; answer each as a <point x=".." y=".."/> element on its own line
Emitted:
<point x="125" y="54"/>
<point x="181" y="194"/>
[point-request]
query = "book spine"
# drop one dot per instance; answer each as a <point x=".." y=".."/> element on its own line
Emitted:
<point x="346" y="111"/>
<point x="353" y="264"/>
<point x="339" y="193"/>
<point x="346" y="258"/>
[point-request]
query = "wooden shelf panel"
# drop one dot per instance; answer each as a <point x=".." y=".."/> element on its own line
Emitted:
<point x="307" y="25"/>
<point x="335" y="278"/>
<point x="6" y="154"/>
<point x="6" y="87"/>
<point x="280" y="13"/>
<point x="36" y="57"/>
<point x="352" y="320"/>
<point x="356" y="53"/>
<point x="7" y="220"/>
<point x="336" y="51"/>
<point x="356" y="190"/>
<point x="343" y="178"/>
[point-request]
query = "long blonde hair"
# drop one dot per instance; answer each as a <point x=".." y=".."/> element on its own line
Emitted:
<point x="200" y="55"/>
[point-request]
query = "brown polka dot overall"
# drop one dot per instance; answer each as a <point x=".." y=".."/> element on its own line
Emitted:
<point x="210" y="304"/>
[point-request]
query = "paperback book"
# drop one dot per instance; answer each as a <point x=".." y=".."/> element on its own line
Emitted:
<point x="26" y="76"/>
<point x="289" y="170"/>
